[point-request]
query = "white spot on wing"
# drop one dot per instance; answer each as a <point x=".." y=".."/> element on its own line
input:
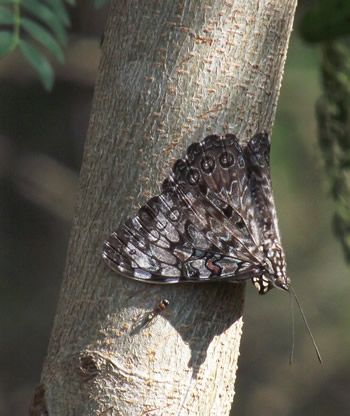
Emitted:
<point x="256" y="283"/>
<point x="162" y="255"/>
<point x="142" y="274"/>
<point x="170" y="271"/>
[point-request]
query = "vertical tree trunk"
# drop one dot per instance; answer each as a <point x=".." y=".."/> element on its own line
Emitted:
<point x="171" y="72"/>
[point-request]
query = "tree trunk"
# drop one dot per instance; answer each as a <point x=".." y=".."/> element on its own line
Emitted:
<point x="171" y="73"/>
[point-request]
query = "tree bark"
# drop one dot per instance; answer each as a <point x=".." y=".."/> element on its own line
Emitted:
<point x="171" y="73"/>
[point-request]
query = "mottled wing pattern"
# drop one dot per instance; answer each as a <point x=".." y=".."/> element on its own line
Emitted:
<point x="257" y="156"/>
<point x="201" y="227"/>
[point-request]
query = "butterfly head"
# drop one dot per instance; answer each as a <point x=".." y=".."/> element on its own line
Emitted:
<point x="275" y="270"/>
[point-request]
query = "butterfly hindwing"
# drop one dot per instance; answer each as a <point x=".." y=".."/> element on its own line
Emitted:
<point x="153" y="248"/>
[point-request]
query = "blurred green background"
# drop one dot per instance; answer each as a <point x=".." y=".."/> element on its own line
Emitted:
<point x="41" y="143"/>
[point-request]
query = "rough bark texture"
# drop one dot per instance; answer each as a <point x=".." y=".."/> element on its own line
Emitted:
<point x="171" y="73"/>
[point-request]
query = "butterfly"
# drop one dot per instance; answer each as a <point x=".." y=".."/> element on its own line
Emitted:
<point x="214" y="220"/>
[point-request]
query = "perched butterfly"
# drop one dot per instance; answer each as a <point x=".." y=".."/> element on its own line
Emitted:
<point x="215" y="220"/>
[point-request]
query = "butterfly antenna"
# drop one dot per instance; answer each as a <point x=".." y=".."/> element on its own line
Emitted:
<point x="306" y="325"/>
<point x="292" y="320"/>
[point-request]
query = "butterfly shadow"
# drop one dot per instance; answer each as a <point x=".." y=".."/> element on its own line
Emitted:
<point x="198" y="314"/>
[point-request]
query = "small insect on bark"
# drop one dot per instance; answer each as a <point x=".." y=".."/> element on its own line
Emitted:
<point x="146" y="320"/>
<point x="163" y="304"/>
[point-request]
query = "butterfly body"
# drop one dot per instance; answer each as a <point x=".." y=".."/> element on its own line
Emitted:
<point x="214" y="220"/>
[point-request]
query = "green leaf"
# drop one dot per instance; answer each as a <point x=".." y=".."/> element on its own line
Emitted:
<point x="39" y="63"/>
<point x="46" y="15"/>
<point x="6" y="16"/>
<point x="43" y="36"/>
<point x="59" y="9"/>
<point x="6" y="43"/>
<point x="70" y="2"/>
<point x="100" y="3"/>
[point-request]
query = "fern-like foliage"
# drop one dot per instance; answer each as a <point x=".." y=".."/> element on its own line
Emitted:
<point x="33" y="26"/>
<point x="327" y="22"/>
<point x="333" y="113"/>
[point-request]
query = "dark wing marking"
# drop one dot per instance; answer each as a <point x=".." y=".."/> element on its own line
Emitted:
<point x="199" y="228"/>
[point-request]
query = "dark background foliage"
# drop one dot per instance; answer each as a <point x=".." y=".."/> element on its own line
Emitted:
<point x="41" y="143"/>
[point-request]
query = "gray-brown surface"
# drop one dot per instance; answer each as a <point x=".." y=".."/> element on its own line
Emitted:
<point x="170" y="74"/>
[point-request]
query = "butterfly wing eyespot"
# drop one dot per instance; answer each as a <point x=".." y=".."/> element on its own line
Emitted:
<point x="207" y="164"/>
<point x="226" y="160"/>
<point x="213" y="220"/>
